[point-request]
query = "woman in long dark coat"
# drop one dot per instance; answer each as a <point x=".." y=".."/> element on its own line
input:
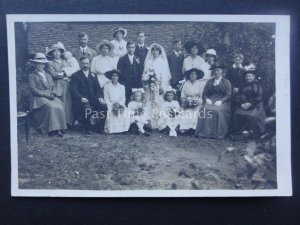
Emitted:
<point x="48" y="110"/>
<point x="249" y="114"/>
<point x="214" y="115"/>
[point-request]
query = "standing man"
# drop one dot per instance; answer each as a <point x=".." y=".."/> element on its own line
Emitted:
<point x="88" y="97"/>
<point x="130" y="74"/>
<point x="175" y="59"/>
<point x="141" y="50"/>
<point x="83" y="50"/>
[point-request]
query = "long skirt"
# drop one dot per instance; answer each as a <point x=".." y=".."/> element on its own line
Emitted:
<point x="153" y="107"/>
<point x="117" y="123"/>
<point x="189" y="118"/>
<point x="50" y="117"/>
<point x="214" y="121"/>
<point x="249" y="120"/>
<point x="66" y="98"/>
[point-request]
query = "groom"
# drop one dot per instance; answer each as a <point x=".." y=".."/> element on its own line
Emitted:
<point x="130" y="71"/>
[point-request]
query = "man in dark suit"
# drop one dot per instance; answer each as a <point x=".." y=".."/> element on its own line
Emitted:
<point x="141" y="50"/>
<point x="83" y="49"/>
<point x="130" y="71"/>
<point x="87" y="97"/>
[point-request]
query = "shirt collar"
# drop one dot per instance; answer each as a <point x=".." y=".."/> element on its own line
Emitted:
<point x="81" y="48"/>
<point x="240" y="66"/>
<point x="141" y="45"/>
<point x="177" y="53"/>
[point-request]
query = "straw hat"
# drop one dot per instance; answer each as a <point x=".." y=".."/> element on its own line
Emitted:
<point x="39" y="58"/>
<point x="121" y="29"/>
<point x="56" y="46"/>
<point x="105" y="42"/>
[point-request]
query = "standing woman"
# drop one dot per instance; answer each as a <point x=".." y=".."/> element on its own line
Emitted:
<point x="210" y="59"/>
<point x="118" y="119"/>
<point x="56" y="68"/>
<point x="103" y="62"/>
<point x="191" y="99"/>
<point x="194" y="60"/>
<point x="215" y="113"/>
<point x="249" y="115"/>
<point x="119" y="43"/>
<point x="156" y="80"/>
<point x="48" y="110"/>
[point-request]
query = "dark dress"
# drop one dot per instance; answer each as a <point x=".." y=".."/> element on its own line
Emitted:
<point x="130" y="75"/>
<point x="252" y="119"/>
<point x="48" y="115"/>
<point x="213" y="120"/>
<point x="89" y="88"/>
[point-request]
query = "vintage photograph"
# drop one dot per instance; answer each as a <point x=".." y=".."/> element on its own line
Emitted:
<point x="149" y="105"/>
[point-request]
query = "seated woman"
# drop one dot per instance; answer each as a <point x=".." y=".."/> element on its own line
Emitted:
<point x="118" y="120"/>
<point x="191" y="99"/>
<point x="48" y="110"/>
<point x="214" y="116"/>
<point x="249" y="114"/>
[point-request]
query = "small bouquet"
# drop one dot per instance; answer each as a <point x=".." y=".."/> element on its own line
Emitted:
<point x="173" y="112"/>
<point x="190" y="102"/>
<point x="139" y="110"/>
<point x="117" y="109"/>
<point x="150" y="79"/>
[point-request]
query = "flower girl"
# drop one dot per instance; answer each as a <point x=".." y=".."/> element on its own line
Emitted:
<point x="137" y="109"/>
<point x="169" y="116"/>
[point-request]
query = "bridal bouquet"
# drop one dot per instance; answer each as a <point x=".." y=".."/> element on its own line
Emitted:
<point x="189" y="102"/>
<point x="117" y="109"/>
<point x="150" y="79"/>
<point x="139" y="110"/>
<point x="173" y="112"/>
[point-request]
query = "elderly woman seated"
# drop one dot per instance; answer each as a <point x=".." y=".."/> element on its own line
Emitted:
<point x="249" y="114"/>
<point x="214" y="115"/>
<point x="48" y="110"/>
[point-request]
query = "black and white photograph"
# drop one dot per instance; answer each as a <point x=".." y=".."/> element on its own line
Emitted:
<point x="149" y="105"/>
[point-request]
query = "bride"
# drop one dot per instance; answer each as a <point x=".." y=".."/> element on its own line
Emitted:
<point x="156" y="80"/>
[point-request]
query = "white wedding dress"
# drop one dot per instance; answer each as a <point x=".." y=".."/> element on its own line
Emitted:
<point x="153" y="97"/>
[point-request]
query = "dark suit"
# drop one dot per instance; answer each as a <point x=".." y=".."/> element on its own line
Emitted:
<point x="235" y="76"/>
<point x="77" y="53"/>
<point x="175" y="64"/>
<point x="141" y="54"/>
<point x="89" y="88"/>
<point x="130" y="74"/>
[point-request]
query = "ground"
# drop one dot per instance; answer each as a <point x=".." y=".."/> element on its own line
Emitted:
<point x="129" y="162"/>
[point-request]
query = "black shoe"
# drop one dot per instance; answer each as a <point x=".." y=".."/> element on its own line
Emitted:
<point x="88" y="132"/>
<point x="147" y="134"/>
<point x="51" y="133"/>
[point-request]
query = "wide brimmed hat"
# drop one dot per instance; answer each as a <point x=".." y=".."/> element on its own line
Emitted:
<point x="251" y="68"/>
<point x="200" y="73"/>
<point x="109" y="74"/>
<point x="39" y="58"/>
<point x="217" y="65"/>
<point x="121" y="29"/>
<point x="105" y="42"/>
<point x="189" y="44"/>
<point x="56" y="46"/>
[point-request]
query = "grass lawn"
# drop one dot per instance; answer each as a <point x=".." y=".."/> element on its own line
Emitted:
<point x="129" y="162"/>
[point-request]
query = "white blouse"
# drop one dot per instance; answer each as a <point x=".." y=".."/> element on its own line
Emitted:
<point x="166" y="106"/>
<point x="101" y="64"/>
<point x="114" y="94"/>
<point x="205" y="67"/>
<point x="190" y="63"/>
<point x="120" y="48"/>
<point x="193" y="90"/>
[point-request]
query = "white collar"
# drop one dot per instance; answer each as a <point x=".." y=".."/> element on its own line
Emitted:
<point x="141" y="45"/>
<point x="86" y="73"/>
<point x="240" y="66"/>
<point x="130" y="56"/>
<point x="217" y="81"/>
<point x="177" y="53"/>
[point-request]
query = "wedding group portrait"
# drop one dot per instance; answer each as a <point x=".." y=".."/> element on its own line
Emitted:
<point x="146" y="105"/>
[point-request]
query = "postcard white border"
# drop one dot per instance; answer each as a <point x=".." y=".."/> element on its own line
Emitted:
<point x="283" y="127"/>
